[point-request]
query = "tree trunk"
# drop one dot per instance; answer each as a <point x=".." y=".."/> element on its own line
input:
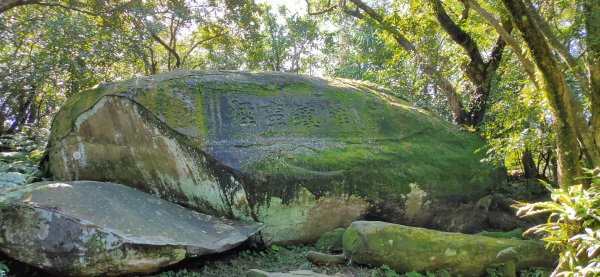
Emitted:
<point x="479" y="72"/>
<point x="33" y="112"/>
<point x="566" y="111"/>
<point x="529" y="168"/>
<point x="592" y="26"/>
<point x="3" y="116"/>
<point x="21" y="114"/>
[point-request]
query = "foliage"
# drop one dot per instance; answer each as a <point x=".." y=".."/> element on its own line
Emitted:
<point x="535" y="272"/>
<point x="388" y="272"/>
<point x="517" y="122"/>
<point x="180" y="273"/>
<point x="573" y="226"/>
<point x="3" y="269"/>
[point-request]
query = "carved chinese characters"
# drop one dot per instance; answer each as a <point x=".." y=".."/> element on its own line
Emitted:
<point x="248" y="113"/>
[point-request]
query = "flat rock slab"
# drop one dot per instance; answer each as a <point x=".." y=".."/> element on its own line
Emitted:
<point x="91" y="228"/>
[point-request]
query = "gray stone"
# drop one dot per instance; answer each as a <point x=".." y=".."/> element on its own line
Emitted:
<point x="11" y="156"/>
<point x="93" y="228"/>
<point x="303" y="155"/>
<point x="11" y="179"/>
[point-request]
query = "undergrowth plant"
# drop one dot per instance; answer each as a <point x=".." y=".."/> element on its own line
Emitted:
<point x="573" y="225"/>
<point x="3" y="269"/>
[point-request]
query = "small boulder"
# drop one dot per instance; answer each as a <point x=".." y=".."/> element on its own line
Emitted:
<point x="11" y="156"/>
<point x="331" y="241"/>
<point x="94" y="228"/>
<point x="11" y="179"/>
<point x="325" y="259"/>
<point x="405" y="248"/>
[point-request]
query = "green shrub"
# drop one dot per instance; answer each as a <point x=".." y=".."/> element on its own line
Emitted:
<point x="3" y="269"/>
<point x="35" y="156"/>
<point x="573" y="226"/>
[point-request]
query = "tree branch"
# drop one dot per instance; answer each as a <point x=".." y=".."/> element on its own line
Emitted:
<point x="198" y="43"/>
<point x="447" y="88"/>
<point x="9" y="4"/>
<point x="509" y="39"/>
<point x="326" y="10"/>
<point x="401" y="39"/>
<point x="496" y="56"/>
<point x="166" y="46"/>
<point x="15" y="3"/>
<point x="464" y="15"/>
<point x="557" y="46"/>
<point x="457" y="34"/>
<point x="66" y="7"/>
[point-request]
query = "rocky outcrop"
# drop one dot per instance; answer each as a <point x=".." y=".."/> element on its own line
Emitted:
<point x="303" y="155"/>
<point x="94" y="228"/>
<point x="19" y="157"/>
<point x="405" y="249"/>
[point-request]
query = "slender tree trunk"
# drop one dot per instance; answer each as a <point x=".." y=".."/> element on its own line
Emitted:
<point x="547" y="160"/>
<point x="33" y="112"/>
<point x="21" y="115"/>
<point x="565" y="109"/>
<point x="592" y="26"/>
<point x="3" y="115"/>
<point x="2" y="120"/>
<point x="529" y="168"/>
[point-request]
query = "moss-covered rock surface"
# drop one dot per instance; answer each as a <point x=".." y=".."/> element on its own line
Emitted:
<point x="92" y="228"/>
<point x="405" y="248"/>
<point x="301" y="154"/>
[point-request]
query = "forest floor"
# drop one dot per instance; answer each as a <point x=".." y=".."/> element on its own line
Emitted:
<point x="275" y="259"/>
<point x="236" y="263"/>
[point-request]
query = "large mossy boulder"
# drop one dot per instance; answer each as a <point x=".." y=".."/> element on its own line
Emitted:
<point x="93" y="228"/>
<point x="405" y="248"/>
<point x="301" y="154"/>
